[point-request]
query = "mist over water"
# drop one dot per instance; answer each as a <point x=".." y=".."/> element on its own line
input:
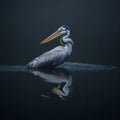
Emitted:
<point x="70" y="66"/>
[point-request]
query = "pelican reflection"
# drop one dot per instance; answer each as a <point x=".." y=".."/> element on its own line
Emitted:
<point x="60" y="78"/>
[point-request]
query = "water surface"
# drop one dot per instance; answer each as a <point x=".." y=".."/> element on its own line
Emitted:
<point x="72" y="90"/>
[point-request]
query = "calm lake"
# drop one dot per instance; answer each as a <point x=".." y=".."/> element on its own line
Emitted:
<point x="74" y="90"/>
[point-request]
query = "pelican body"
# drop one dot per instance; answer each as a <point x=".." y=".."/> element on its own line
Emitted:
<point x="57" y="55"/>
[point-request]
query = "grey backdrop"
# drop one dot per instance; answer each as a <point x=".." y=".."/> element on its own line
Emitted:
<point x="95" y="29"/>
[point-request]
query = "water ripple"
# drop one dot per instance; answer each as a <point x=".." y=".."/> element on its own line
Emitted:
<point x="70" y="66"/>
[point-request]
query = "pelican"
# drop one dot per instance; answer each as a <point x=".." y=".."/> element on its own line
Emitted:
<point x="59" y="54"/>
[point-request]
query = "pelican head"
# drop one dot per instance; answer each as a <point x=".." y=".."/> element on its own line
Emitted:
<point x="61" y="31"/>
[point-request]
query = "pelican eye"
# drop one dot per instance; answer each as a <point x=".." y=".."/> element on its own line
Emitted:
<point x="62" y="29"/>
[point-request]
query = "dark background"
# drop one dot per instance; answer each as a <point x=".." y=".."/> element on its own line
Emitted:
<point x="95" y="29"/>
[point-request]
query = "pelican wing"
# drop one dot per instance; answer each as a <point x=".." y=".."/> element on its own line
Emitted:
<point x="49" y="59"/>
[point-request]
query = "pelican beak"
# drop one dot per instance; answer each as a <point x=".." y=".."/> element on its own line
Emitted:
<point x="51" y="37"/>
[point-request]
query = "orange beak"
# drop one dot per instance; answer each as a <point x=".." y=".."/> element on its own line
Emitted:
<point x="51" y="37"/>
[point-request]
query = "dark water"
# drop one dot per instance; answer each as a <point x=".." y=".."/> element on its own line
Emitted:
<point x="73" y="90"/>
